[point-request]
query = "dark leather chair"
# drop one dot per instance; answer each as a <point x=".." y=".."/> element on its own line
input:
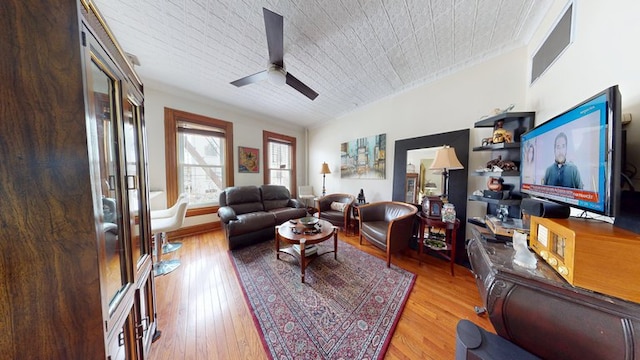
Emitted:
<point x="337" y="217"/>
<point x="387" y="225"/>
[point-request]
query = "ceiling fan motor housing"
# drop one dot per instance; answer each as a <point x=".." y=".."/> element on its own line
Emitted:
<point x="276" y="75"/>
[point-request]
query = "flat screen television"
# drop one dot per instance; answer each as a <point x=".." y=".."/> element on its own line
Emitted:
<point x="574" y="158"/>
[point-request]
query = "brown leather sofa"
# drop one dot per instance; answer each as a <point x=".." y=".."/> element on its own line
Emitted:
<point x="249" y="214"/>
<point x="387" y="225"/>
<point x="336" y="217"/>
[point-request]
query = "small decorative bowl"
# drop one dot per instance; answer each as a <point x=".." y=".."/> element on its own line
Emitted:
<point x="309" y="221"/>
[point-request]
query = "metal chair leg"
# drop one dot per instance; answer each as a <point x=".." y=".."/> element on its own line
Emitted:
<point x="162" y="267"/>
<point x="168" y="247"/>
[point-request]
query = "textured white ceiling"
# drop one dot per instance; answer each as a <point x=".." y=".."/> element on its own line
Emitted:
<point x="352" y="52"/>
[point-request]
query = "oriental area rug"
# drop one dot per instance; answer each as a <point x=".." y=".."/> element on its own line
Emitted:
<point x="347" y="308"/>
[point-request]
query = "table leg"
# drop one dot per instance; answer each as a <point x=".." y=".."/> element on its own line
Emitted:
<point x="420" y="242"/>
<point x="335" y="243"/>
<point x="303" y="258"/>
<point x="453" y="249"/>
<point x="277" y="244"/>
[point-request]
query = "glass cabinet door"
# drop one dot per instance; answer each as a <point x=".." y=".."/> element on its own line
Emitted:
<point x="107" y="170"/>
<point x="121" y="346"/>
<point x="146" y="321"/>
<point x="133" y="179"/>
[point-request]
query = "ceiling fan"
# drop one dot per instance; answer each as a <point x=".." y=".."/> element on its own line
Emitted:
<point x="276" y="71"/>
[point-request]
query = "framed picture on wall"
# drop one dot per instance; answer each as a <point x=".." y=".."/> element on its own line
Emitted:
<point x="364" y="158"/>
<point x="248" y="160"/>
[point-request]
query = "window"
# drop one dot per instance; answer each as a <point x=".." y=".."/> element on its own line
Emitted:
<point x="198" y="158"/>
<point x="279" y="160"/>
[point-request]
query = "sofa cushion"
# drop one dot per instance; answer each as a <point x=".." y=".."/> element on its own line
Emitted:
<point x="287" y="213"/>
<point x="324" y="203"/>
<point x="243" y="199"/>
<point x="275" y="196"/>
<point x="338" y="206"/>
<point x="334" y="217"/>
<point x="250" y="222"/>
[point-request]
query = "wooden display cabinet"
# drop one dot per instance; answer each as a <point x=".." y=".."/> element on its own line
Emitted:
<point x="79" y="282"/>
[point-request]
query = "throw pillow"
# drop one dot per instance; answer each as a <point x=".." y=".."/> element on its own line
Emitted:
<point x="338" y="206"/>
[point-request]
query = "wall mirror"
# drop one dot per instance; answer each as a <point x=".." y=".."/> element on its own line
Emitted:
<point x="459" y="140"/>
<point x="429" y="181"/>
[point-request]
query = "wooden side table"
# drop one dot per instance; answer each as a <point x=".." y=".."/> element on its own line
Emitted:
<point x="354" y="222"/>
<point x="448" y="250"/>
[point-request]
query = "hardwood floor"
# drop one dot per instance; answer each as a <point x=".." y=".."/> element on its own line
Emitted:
<point x="203" y="315"/>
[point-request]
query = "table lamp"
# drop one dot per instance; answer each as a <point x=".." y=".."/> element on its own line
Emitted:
<point x="446" y="160"/>
<point x="325" y="170"/>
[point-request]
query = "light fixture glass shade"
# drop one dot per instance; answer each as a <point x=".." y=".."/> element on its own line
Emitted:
<point x="276" y="75"/>
<point x="446" y="159"/>
<point x="430" y="185"/>
<point x="325" y="169"/>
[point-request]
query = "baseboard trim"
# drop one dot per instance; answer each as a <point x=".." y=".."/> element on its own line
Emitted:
<point x="194" y="230"/>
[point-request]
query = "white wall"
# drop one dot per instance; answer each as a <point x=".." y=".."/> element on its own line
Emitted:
<point x="247" y="131"/>
<point x="604" y="52"/>
<point x="452" y="103"/>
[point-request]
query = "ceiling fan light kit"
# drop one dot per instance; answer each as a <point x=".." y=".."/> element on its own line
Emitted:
<point x="275" y="72"/>
<point x="276" y="75"/>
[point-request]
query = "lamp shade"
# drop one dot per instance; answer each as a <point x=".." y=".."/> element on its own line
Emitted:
<point x="446" y="159"/>
<point x="325" y="169"/>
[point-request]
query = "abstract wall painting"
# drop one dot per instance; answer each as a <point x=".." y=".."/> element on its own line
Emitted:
<point x="248" y="160"/>
<point x="364" y="158"/>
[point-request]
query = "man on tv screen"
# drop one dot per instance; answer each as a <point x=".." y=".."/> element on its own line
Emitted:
<point x="561" y="172"/>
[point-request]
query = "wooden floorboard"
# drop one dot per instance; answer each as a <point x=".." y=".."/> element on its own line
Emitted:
<point x="202" y="312"/>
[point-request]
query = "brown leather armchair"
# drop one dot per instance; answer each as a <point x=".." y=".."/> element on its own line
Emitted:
<point x="387" y="225"/>
<point x="337" y="217"/>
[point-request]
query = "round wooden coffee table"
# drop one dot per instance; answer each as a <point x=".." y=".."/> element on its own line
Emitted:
<point x="292" y="232"/>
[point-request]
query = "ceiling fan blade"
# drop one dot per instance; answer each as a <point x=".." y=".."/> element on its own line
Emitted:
<point x="273" y="27"/>
<point x="301" y="87"/>
<point x="250" y="79"/>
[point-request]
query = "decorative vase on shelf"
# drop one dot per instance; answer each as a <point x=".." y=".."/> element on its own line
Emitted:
<point x="449" y="213"/>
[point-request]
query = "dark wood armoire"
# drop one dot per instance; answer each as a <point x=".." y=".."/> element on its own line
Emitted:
<point x="75" y="242"/>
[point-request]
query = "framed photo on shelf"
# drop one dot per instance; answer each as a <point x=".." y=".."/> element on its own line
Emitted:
<point x="432" y="207"/>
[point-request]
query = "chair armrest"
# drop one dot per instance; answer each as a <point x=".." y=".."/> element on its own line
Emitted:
<point x="295" y="203"/>
<point x="226" y="214"/>
<point x="323" y="204"/>
<point x="400" y="230"/>
<point x="347" y="213"/>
